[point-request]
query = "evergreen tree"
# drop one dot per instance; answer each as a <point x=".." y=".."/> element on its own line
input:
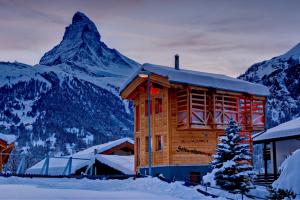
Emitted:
<point x="232" y="169"/>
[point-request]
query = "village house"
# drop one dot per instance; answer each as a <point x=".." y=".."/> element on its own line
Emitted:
<point x="188" y="112"/>
<point x="278" y="142"/>
<point x="7" y="143"/>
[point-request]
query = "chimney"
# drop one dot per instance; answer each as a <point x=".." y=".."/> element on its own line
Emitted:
<point x="177" y="62"/>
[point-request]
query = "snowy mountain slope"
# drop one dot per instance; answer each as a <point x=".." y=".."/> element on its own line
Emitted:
<point x="70" y="100"/>
<point x="282" y="75"/>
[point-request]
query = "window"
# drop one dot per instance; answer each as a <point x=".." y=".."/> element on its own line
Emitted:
<point x="200" y="108"/>
<point x="244" y="112"/>
<point x="158" y="105"/>
<point x="258" y="110"/>
<point x="146" y="108"/>
<point x="146" y="143"/>
<point x="159" y="142"/>
<point x="182" y="108"/>
<point x="137" y="118"/>
<point x="225" y="108"/>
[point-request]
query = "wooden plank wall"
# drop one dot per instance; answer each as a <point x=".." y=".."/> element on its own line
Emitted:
<point x="180" y="146"/>
<point x="159" y="126"/>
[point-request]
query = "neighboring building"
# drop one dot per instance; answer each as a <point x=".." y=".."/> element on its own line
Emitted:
<point x="112" y="158"/>
<point x="189" y="111"/>
<point x="7" y="143"/>
<point x="279" y="143"/>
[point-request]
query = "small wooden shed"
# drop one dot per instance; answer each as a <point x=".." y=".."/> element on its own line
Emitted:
<point x="6" y="146"/>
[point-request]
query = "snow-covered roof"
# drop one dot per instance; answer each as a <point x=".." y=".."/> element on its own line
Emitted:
<point x="83" y="158"/>
<point x="124" y="164"/>
<point x="287" y="129"/>
<point x="7" y="138"/>
<point x="103" y="147"/>
<point x="57" y="165"/>
<point x="202" y="79"/>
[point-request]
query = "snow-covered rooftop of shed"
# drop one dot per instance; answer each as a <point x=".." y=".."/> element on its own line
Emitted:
<point x="287" y="129"/>
<point x="202" y="79"/>
<point x="8" y="138"/>
<point x="124" y="164"/>
<point x="103" y="147"/>
<point x="81" y="159"/>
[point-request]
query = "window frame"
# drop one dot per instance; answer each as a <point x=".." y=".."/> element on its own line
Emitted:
<point x="158" y="105"/>
<point x="159" y="140"/>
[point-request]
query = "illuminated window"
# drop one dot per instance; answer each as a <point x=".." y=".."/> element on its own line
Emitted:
<point x="158" y="105"/>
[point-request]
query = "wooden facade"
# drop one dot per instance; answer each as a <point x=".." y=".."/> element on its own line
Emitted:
<point x="186" y="121"/>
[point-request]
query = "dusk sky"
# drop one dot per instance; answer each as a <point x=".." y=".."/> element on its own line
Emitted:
<point x="213" y="36"/>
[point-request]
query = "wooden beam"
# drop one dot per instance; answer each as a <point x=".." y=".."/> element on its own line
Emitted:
<point x="274" y="159"/>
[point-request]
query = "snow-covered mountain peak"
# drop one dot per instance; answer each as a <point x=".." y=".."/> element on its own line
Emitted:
<point x="293" y="52"/>
<point x="80" y="17"/>
<point x="83" y="50"/>
<point x="82" y="30"/>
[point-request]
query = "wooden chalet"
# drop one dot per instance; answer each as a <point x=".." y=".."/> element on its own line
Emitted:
<point x="189" y="111"/>
<point x="6" y="146"/>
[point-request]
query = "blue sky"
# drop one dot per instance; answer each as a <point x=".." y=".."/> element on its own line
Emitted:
<point x="209" y="35"/>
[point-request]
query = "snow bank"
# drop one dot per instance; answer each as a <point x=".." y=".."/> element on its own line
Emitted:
<point x="8" y="138"/>
<point x="141" y="188"/>
<point x="289" y="178"/>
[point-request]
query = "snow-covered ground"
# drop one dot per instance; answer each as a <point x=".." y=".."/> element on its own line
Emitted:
<point x="54" y="189"/>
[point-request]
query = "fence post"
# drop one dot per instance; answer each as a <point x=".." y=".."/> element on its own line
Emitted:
<point x="70" y="166"/>
<point x="45" y="168"/>
<point x="21" y="166"/>
<point x="67" y="171"/>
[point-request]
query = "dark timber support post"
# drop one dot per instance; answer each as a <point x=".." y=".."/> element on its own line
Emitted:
<point x="149" y="127"/>
<point x="265" y="160"/>
<point x="274" y="159"/>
